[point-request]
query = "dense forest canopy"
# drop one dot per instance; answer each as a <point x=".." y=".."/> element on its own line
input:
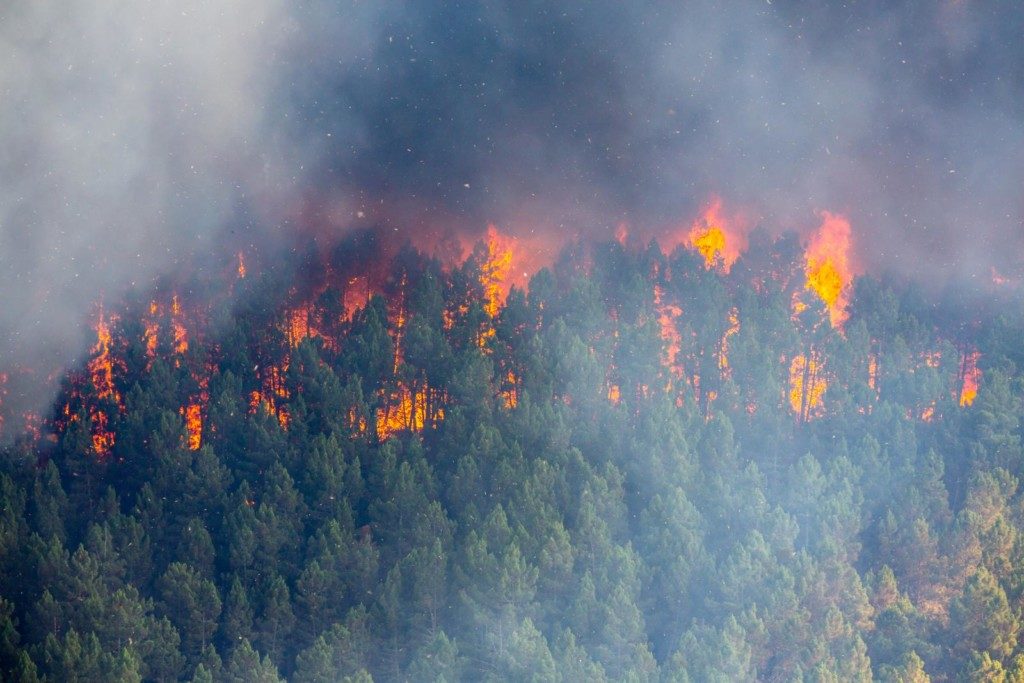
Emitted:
<point x="685" y="464"/>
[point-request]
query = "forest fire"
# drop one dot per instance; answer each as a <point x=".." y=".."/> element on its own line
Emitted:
<point x="409" y="352"/>
<point x="327" y="310"/>
<point x="828" y="269"/>
<point x="427" y="341"/>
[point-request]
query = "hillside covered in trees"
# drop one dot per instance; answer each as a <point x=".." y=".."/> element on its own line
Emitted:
<point x="646" y="464"/>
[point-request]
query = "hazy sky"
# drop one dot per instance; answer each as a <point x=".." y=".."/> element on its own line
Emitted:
<point x="135" y="134"/>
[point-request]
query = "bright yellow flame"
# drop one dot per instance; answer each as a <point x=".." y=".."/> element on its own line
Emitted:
<point x="406" y="411"/>
<point x="828" y="269"/>
<point x="714" y="239"/>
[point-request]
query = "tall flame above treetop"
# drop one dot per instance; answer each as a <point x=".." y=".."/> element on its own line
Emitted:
<point x="827" y="265"/>
<point x="715" y="238"/>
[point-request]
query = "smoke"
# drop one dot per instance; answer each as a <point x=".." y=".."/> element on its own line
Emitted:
<point x="576" y="117"/>
<point x="134" y="136"/>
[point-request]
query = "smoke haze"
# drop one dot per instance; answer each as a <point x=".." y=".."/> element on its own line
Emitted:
<point x="133" y="136"/>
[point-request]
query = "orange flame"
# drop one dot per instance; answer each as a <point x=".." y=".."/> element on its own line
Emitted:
<point x="193" y="425"/>
<point x="101" y="367"/>
<point x="241" y="265"/>
<point x="828" y="270"/>
<point x="713" y="238"/>
<point x="970" y="378"/>
<point x="101" y="371"/>
<point x="510" y="393"/>
<point x="495" y="270"/>
<point x="300" y="324"/>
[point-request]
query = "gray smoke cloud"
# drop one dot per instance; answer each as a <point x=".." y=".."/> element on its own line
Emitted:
<point x="134" y="135"/>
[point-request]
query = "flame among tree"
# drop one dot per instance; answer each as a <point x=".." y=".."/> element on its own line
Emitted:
<point x="807" y="386"/>
<point x="828" y="270"/>
<point x="715" y="238"/>
<point x="970" y="378"/>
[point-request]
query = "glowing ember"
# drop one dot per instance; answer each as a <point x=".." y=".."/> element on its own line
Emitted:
<point x="806" y="387"/>
<point x="970" y="378"/>
<point x="873" y="371"/>
<point x="828" y="268"/>
<point x="241" y="265"/>
<point x="614" y="394"/>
